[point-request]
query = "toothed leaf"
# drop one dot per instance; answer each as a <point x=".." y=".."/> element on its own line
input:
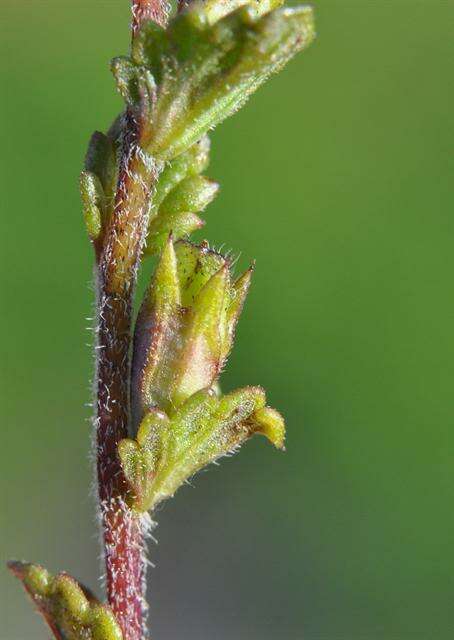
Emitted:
<point x="204" y="66"/>
<point x="69" y="609"/>
<point x="142" y="458"/>
<point x="204" y="428"/>
<point x="180" y="194"/>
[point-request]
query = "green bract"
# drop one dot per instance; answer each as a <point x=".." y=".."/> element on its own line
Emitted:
<point x="69" y="609"/>
<point x="181" y="193"/>
<point x="185" y="79"/>
<point x="170" y="448"/>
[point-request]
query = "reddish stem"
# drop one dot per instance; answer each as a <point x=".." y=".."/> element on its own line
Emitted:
<point x="143" y="10"/>
<point x="122" y="536"/>
<point x="118" y="260"/>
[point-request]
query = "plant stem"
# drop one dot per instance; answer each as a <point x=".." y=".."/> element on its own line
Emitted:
<point x="142" y="10"/>
<point x="117" y="264"/>
<point x="118" y="259"/>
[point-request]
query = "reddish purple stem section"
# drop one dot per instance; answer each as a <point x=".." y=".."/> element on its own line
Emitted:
<point x="143" y="10"/>
<point x="118" y="260"/>
<point x="121" y="529"/>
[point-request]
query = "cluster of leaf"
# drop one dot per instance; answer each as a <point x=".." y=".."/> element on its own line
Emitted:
<point x="178" y="83"/>
<point x="185" y="79"/>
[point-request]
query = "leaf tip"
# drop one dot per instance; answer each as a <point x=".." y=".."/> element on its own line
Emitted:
<point x="271" y="424"/>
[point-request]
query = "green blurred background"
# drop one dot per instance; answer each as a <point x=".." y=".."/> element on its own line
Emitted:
<point x="337" y="177"/>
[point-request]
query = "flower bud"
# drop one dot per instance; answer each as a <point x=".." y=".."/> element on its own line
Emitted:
<point x="185" y="327"/>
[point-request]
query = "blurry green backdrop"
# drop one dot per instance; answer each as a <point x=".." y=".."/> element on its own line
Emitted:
<point x="337" y="177"/>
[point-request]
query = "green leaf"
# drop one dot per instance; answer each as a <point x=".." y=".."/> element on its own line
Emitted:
<point x="98" y="183"/>
<point x="70" y="610"/>
<point x="142" y="458"/>
<point x="101" y="160"/>
<point x="169" y="450"/>
<point x="179" y="225"/>
<point x="192" y="194"/>
<point x="93" y="201"/>
<point x="190" y="163"/>
<point x="181" y="192"/>
<point x="187" y="78"/>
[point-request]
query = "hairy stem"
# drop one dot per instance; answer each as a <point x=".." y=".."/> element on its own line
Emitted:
<point x="117" y="266"/>
<point x="142" y="10"/>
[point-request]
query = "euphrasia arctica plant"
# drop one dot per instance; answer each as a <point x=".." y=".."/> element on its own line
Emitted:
<point x="159" y="414"/>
